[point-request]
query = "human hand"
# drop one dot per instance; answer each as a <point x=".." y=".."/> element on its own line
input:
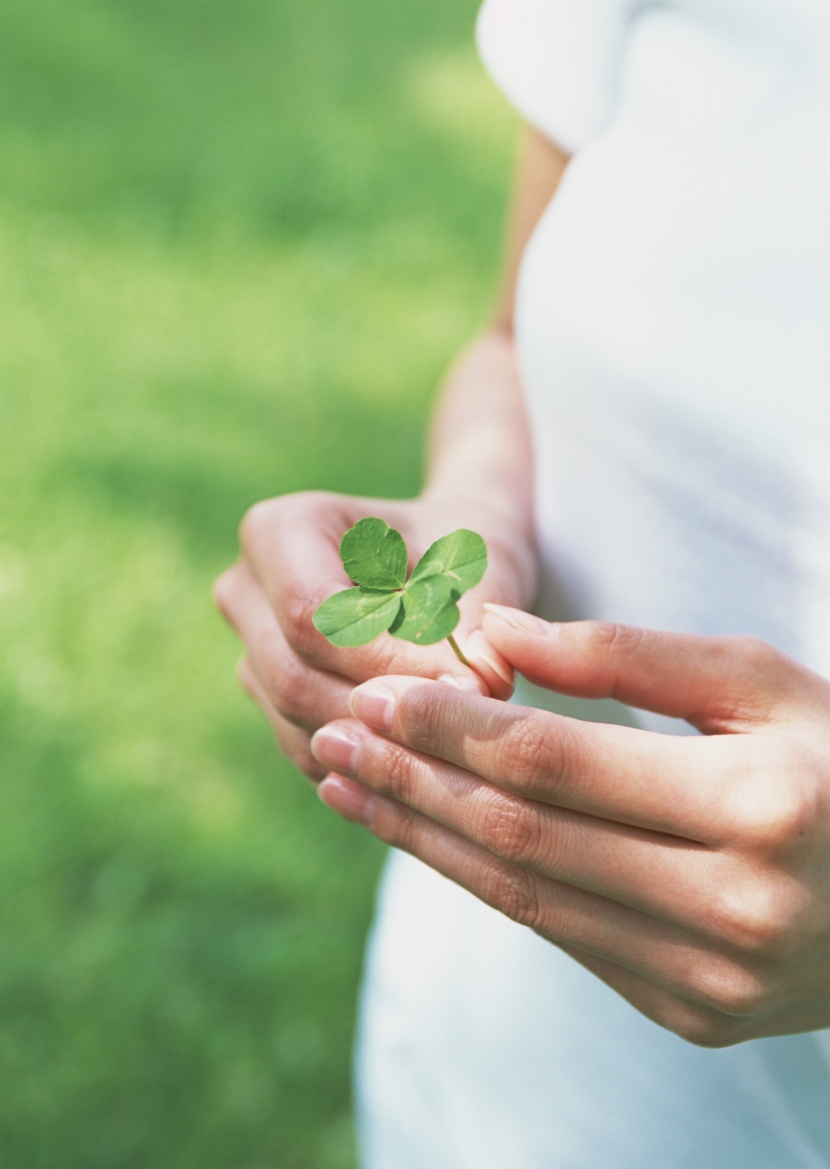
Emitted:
<point x="290" y="562"/>
<point x="692" y="874"/>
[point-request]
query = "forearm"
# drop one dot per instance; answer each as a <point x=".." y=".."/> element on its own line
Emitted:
<point x="480" y="448"/>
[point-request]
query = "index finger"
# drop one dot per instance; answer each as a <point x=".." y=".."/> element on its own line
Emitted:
<point x="665" y="783"/>
<point x="291" y="546"/>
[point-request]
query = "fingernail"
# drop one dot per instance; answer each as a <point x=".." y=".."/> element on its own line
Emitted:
<point x="468" y="685"/>
<point x="336" y="747"/>
<point x="517" y="619"/>
<point x="349" y="800"/>
<point x="478" y="648"/>
<point x="374" y="705"/>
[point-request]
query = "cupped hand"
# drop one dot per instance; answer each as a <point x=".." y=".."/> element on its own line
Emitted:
<point x="290" y="562"/>
<point x="691" y="873"/>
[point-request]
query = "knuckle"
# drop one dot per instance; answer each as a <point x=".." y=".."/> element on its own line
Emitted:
<point x="224" y="592"/>
<point x="246" y="678"/>
<point x="704" y="1030"/>
<point x="542" y="758"/>
<point x="398" y="827"/>
<point x="295" y="618"/>
<point x="779" y="814"/>
<point x="749" y="670"/>
<point x="286" y="686"/>
<point x="610" y="636"/>
<point x="742" y="996"/>
<point x="726" y="990"/>
<point x="525" y="755"/>
<point x="512" y="892"/>
<point x="613" y="645"/>
<point x="423" y="711"/>
<point x="760" y="920"/>
<point x="264" y="519"/>
<point x="309" y="766"/>
<point x="300" y="755"/>
<point x="398" y="772"/>
<point x="757" y="655"/>
<point x="256" y="522"/>
<point x="508" y="828"/>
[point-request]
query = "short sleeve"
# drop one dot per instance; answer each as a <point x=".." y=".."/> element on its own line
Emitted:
<point x="558" y="61"/>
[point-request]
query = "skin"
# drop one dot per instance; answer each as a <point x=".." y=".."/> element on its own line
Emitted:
<point x="478" y="476"/>
<point x="691" y="874"/>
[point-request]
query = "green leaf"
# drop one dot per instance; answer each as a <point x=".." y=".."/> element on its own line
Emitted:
<point x="356" y="616"/>
<point x="461" y="556"/>
<point x="374" y="555"/>
<point x="423" y="609"/>
<point x="428" y="613"/>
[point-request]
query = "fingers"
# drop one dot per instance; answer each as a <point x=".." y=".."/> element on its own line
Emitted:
<point x="290" y="546"/>
<point x="715" y="683"/>
<point x="566" y="916"/>
<point x="640" y="869"/>
<point x="695" y="1023"/>
<point x="487" y="662"/>
<point x="663" y="783"/>
<point x="292" y="741"/>
<point x="293" y="690"/>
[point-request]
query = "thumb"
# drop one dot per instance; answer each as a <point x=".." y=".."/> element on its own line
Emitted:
<point x="487" y="662"/>
<point x="717" y="684"/>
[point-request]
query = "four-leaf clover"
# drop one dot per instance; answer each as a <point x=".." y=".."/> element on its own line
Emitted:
<point x="422" y="609"/>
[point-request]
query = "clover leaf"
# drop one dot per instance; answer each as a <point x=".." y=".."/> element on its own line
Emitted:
<point x="423" y="609"/>
<point x="374" y="555"/>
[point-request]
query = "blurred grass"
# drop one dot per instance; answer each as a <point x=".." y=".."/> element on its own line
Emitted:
<point x="238" y="243"/>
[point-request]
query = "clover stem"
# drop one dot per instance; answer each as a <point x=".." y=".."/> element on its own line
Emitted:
<point x="456" y="649"/>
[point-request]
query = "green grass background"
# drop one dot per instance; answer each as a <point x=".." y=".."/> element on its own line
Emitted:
<point x="239" y="239"/>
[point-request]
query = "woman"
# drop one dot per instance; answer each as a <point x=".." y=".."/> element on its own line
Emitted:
<point x="642" y="973"/>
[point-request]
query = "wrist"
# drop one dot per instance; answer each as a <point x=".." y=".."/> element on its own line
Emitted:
<point x="481" y="453"/>
<point x="476" y="505"/>
<point x="507" y="529"/>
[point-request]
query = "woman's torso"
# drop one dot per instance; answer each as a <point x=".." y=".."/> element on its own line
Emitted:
<point x="673" y="327"/>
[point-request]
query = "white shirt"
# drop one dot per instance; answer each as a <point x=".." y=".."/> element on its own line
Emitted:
<point x="673" y="326"/>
